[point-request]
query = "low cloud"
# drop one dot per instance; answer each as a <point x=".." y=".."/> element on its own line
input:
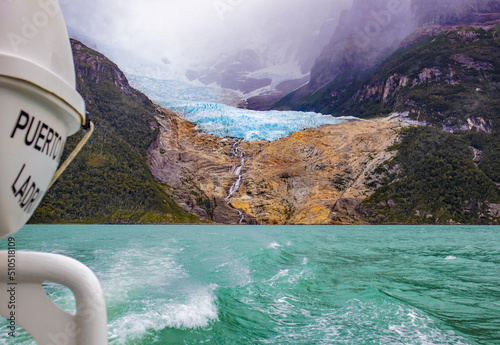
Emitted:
<point x="192" y="31"/>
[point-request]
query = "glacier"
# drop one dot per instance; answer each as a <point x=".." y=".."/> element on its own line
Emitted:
<point x="208" y="108"/>
<point x="228" y="121"/>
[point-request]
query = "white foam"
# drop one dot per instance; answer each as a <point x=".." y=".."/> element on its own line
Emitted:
<point x="127" y="270"/>
<point x="451" y="257"/>
<point x="358" y="322"/>
<point x="274" y="245"/>
<point x="196" y="311"/>
<point x="282" y="273"/>
<point x="199" y="310"/>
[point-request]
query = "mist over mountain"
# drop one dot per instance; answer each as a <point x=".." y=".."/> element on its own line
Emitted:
<point x="285" y="47"/>
<point x="259" y="48"/>
<point x="203" y="38"/>
<point x="367" y="35"/>
<point x="451" y="12"/>
<point x="368" y="32"/>
<point x="431" y="65"/>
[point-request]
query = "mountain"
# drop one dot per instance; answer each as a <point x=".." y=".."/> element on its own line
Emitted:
<point x="448" y="78"/>
<point x="444" y="36"/>
<point x="356" y="172"/>
<point x="275" y="57"/>
<point x="145" y="164"/>
<point x="110" y="181"/>
<point x="314" y="176"/>
<point x="453" y="12"/>
<point x="442" y="72"/>
<point x="367" y="33"/>
<point x="438" y="178"/>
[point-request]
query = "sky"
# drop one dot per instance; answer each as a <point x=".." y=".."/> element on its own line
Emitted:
<point x="190" y="32"/>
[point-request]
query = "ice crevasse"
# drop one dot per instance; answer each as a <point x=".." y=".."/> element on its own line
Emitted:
<point x="203" y="106"/>
<point x="227" y="121"/>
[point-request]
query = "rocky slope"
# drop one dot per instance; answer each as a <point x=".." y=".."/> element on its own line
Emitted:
<point x="147" y="165"/>
<point x="109" y="181"/>
<point x="316" y="176"/>
<point x="448" y="78"/>
<point x="197" y="169"/>
<point x="444" y="74"/>
<point x="378" y="171"/>
<point x="453" y="12"/>
<point x="373" y="36"/>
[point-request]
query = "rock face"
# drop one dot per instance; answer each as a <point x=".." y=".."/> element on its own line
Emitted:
<point x="316" y="176"/>
<point x="370" y="30"/>
<point x="197" y="169"/>
<point x="449" y="79"/>
<point x="453" y="12"/>
<point x="374" y="32"/>
<point x="110" y="181"/>
<point x="96" y="68"/>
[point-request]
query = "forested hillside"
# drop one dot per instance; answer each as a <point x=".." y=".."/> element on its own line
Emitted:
<point x="109" y="181"/>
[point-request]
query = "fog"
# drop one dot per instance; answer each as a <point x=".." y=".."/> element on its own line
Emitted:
<point x="194" y="32"/>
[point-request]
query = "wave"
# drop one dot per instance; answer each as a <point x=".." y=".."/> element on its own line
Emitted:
<point x="141" y="303"/>
<point x="284" y="285"/>
<point x="195" y="310"/>
<point x="358" y="322"/>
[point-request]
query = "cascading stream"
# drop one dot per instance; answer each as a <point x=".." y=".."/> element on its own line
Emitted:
<point x="237" y="171"/>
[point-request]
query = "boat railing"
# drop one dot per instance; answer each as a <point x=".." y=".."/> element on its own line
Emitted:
<point x="24" y="301"/>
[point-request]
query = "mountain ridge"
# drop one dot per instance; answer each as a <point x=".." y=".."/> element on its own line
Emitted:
<point x="147" y="165"/>
<point x="109" y="181"/>
<point x="339" y="76"/>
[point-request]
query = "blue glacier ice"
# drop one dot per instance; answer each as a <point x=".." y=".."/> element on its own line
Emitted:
<point x="169" y="91"/>
<point x="227" y="121"/>
<point x="203" y="106"/>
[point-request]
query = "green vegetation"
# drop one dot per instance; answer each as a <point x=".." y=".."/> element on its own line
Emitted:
<point x="436" y="177"/>
<point x="464" y="71"/>
<point x="433" y="179"/>
<point x="449" y="81"/>
<point x="110" y="182"/>
<point x="489" y="144"/>
<point x="338" y="91"/>
<point x="443" y="80"/>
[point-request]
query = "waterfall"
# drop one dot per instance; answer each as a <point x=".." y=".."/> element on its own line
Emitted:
<point x="237" y="168"/>
<point x="237" y="171"/>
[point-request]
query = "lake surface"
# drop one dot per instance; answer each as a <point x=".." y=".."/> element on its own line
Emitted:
<point x="285" y="284"/>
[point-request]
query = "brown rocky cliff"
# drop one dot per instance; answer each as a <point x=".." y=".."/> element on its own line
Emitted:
<point x="96" y="68"/>
<point x="316" y="176"/>
<point x="196" y="168"/>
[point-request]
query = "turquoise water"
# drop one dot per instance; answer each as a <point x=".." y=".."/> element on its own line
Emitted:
<point x="285" y="285"/>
